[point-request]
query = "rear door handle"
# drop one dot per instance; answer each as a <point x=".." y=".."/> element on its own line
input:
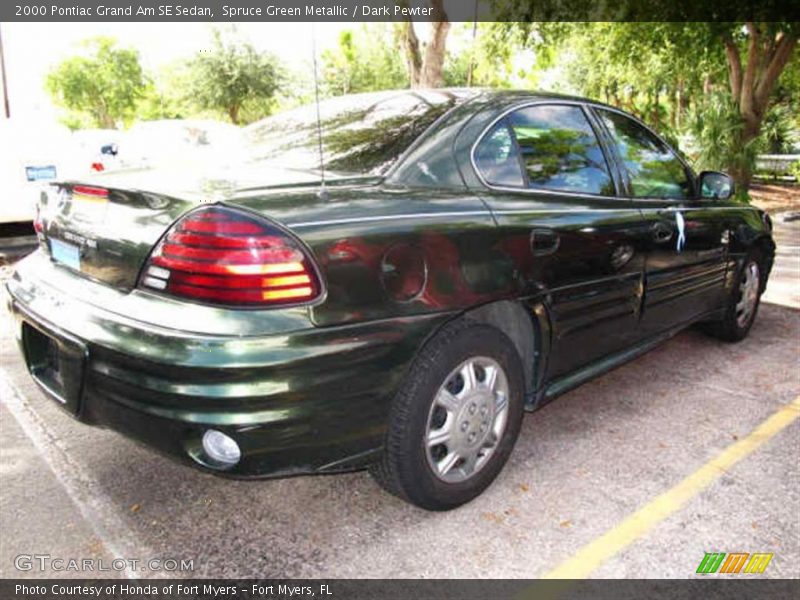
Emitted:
<point x="544" y="242"/>
<point x="662" y="231"/>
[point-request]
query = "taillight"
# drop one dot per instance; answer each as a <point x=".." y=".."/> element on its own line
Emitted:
<point x="89" y="192"/>
<point x="38" y="226"/>
<point x="224" y="256"/>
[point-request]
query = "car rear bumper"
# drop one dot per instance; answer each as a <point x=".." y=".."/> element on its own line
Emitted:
<point x="300" y="399"/>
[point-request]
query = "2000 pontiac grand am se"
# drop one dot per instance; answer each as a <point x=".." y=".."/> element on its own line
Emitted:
<point x="472" y="254"/>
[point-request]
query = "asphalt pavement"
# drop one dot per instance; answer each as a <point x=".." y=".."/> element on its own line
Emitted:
<point x="692" y="448"/>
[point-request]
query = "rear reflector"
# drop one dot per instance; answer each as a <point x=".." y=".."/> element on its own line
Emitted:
<point x="224" y="256"/>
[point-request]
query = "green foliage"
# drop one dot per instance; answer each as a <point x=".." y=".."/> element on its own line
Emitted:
<point x="673" y="75"/>
<point x="73" y="121"/>
<point x="234" y="78"/>
<point x="165" y="95"/>
<point x="371" y="59"/>
<point x="101" y="87"/>
<point x="456" y="69"/>
<point x="494" y="54"/>
<point x="365" y="60"/>
<point x="794" y="170"/>
<point x="778" y="134"/>
<point x="666" y="73"/>
<point x="716" y="128"/>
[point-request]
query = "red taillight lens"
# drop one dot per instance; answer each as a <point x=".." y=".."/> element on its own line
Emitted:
<point x="224" y="256"/>
<point x="38" y="226"/>
<point x="91" y="191"/>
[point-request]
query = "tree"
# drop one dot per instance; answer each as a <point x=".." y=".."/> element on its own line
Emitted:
<point x="658" y="69"/>
<point x="426" y="62"/>
<point x="768" y="48"/>
<point x="364" y="61"/>
<point x="233" y="77"/>
<point x="103" y="85"/>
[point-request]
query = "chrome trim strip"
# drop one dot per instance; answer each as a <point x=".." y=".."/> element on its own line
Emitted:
<point x="484" y="213"/>
<point x="688" y="208"/>
<point x="537" y="211"/>
<point x="522" y="211"/>
<point x="543" y="210"/>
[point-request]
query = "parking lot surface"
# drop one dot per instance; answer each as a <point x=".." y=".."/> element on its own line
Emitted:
<point x="692" y="448"/>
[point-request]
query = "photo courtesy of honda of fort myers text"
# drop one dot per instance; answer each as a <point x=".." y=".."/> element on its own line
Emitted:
<point x="391" y="299"/>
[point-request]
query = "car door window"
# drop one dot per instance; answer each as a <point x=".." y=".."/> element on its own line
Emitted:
<point x="560" y="150"/>
<point x="654" y="171"/>
<point x="497" y="158"/>
<point x="550" y="147"/>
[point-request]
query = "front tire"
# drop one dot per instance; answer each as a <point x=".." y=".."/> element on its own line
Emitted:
<point x="454" y="422"/>
<point x="743" y="301"/>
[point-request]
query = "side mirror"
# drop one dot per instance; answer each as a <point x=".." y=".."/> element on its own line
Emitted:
<point x="109" y="149"/>
<point x="715" y="185"/>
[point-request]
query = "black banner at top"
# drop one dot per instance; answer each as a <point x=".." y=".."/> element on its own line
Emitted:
<point x="397" y="10"/>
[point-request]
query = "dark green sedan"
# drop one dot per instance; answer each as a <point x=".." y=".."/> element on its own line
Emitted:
<point x="387" y="282"/>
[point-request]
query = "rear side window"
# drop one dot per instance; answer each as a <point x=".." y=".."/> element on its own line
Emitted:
<point x="497" y="158"/>
<point x="653" y="169"/>
<point x="547" y="147"/>
<point x="559" y="150"/>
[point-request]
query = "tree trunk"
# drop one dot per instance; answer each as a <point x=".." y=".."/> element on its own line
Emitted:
<point x="629" y="102"/>
<point x="708" y="85"/>
<point x="426" y="69"/>
<point x="752" y="84"/>
<point x="413" y="57"/>
<point x="655" y="118"/>
<point x="233" y="113"/>
<point x="433" y="65"/>
<point x="104" y="120"/>
<point x="680" y="104"/>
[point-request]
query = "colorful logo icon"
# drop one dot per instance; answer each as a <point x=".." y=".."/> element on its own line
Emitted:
<point x="734" y="562"/>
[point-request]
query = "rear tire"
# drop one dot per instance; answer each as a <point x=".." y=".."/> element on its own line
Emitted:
<point x="455" y="420"/>
<point x="743" y="301"/>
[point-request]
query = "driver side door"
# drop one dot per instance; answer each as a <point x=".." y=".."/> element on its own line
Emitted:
<point x="683" y="238"/>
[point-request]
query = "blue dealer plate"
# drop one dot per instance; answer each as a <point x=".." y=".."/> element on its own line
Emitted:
<point x="66" y="254"/>
<point x="40" y="173"/>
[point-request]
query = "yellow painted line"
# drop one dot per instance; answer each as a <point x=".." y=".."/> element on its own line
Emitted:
<point x="592" y="555"/>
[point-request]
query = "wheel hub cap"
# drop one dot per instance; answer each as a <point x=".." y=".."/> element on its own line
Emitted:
<point x="467" y="419"/>
<point x="475" y="419"/>
<point x="748" y="293"/>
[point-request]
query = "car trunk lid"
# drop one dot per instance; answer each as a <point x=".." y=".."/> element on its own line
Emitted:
<point x="104" y="228"/>
<point x="105" y="233"/>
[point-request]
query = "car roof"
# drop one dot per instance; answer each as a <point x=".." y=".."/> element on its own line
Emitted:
<point x="513" y="96"/>
<point x="462" y="95"/>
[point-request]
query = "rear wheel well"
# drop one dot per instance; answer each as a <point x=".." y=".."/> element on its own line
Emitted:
<point x="519" y="325"/>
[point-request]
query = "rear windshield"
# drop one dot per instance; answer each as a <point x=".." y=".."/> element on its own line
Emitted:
<point x="361" y="134"/>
